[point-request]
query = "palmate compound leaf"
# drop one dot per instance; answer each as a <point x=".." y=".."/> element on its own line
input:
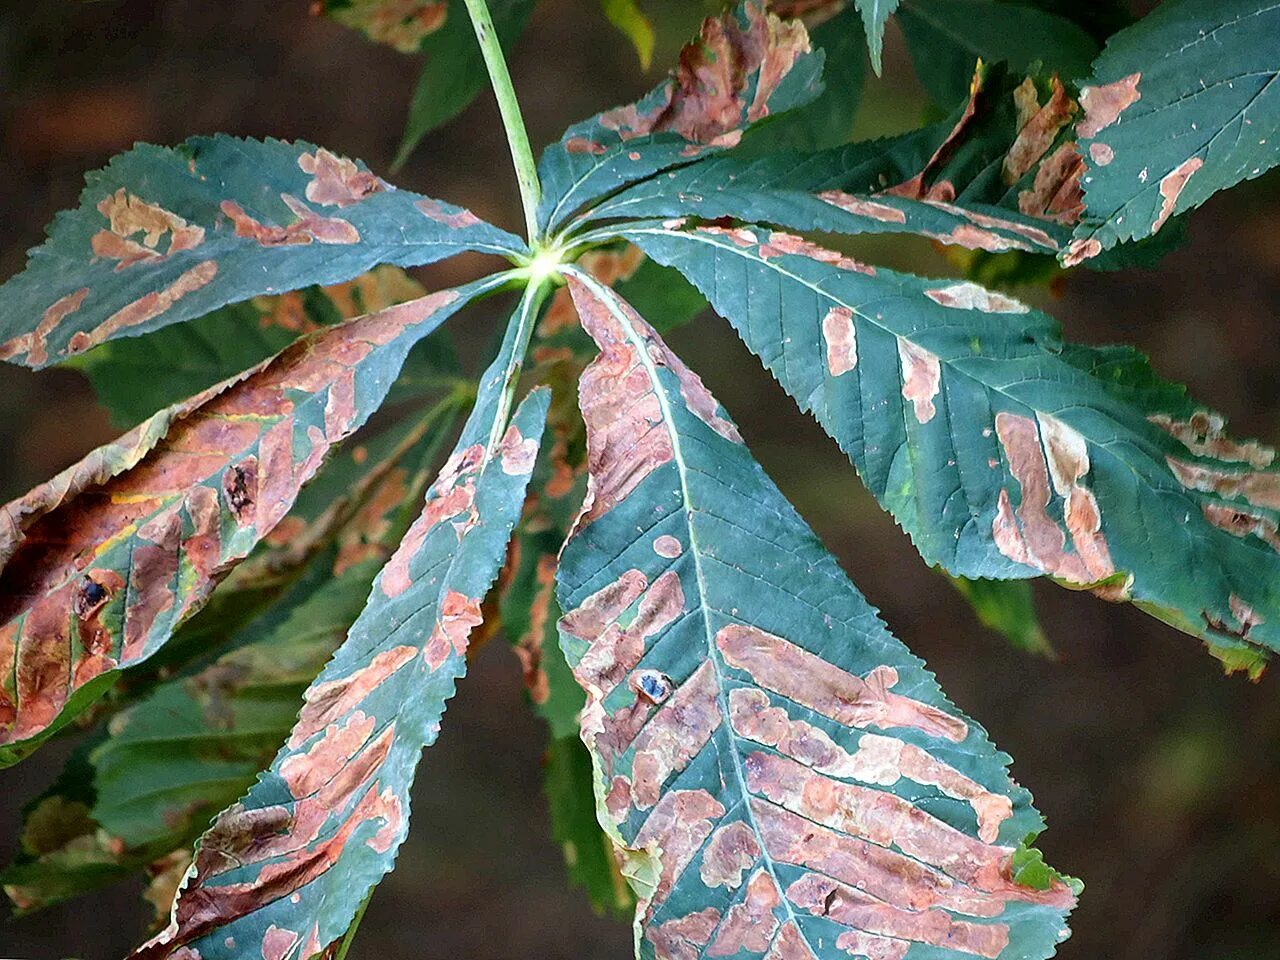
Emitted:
<point x="150" y="782"/>
<point x="285" y="871"/>
<point x="746" y="65"/>
<point x="782" y="777"/>
<point x="164" y="235"/>
<point x="1182" y="104"/>
<point x="1001" y="174"/>
<point x="1002" y="452"/>
<point x="101" y="563"/>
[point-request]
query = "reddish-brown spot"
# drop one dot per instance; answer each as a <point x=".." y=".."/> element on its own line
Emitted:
<point x="682" y="938"/>
<point x="678" y="826"/>
<point x="1030" y="535"/>
<point x="750" y="924"/>
<point x="458" y="616"/>
<point x="878" y="760"/>
<point x="278" y="944"/>
<point x="1104" y="104"/>
<point x="970" y="296"/>
<point x="1240" y="523"/>
<point x="1258" y="488"/>
<point x="1100" y="153"/>
<point x="1171" y="186"/>
<point x="706" y="98"/>
<point x="331" y="700"/>
<point x="886" y="820"/>
<point x="1081" y="250"/>
<point x="1204" y="434"/>
<point x="583" y="145"/>
<point x="841" y="339"/>
<point x="675" y="735"/>
<point x="732" y="850"/>
<point x="668" y="547"/>
<point x="145" y="308"/>
<point x="308" y="228"/>
<point x="305" y="773"/>
<point x="791" y="671"/>
<point x="128" y="216"/>
<point x="517" y="453"/>
<point x="528" y="648"/>
<point x="876" y="921"/>
<point x="1055" y="192"/>
<point x="861" y="207"/>
<point x="780" y="244"/>
<point x="337" y="181"/>
<point x="434" y="210"/>
<point x="35" y="344"/>
<point x="1038" y="133"/>
<point x="790" y="945"/>
<point x="921" y="378"/>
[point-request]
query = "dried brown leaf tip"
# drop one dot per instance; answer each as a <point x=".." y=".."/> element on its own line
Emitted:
<point x="401" y="24"/>
<point x="724" y="81"/>
<point x="102" y="562"/>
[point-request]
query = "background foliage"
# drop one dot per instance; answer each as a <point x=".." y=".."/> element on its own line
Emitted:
<point x="1157" y="773"/>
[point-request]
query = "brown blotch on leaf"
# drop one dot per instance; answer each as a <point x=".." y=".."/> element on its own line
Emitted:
<point x="337" y="181"/>
<point x="145" y="308"/>
<point x="35" y="345"/>
<point x="862" y="207"/>
<point x="1038" y="133"/>
<point x="128" y="216"/>
<point x="1204" y="434"/>
<point x="458" y="616"/>
<point x="921" y="378"/>
<point x="1030" y="535"/>
<point x="706" y="98"/>
<point x="308" y="228"/>
<point x="667" y="547"/>
<point x="841" y="338"/>
<point x="678" y="826"/>
<point x="1171" y="186"/>
<point x="751" y="923"/>
<point x="675" y="735"/>
<point x="434" y="210"/>
<point x="729" y="854"/>
<point x="1258" y="488"/>
<point x="1104" y="104"/>
<point x="1055" y="192"/>
<point x="683" y="937"/>
<point x="791" y="671"/>
<point x="970" y="296"/>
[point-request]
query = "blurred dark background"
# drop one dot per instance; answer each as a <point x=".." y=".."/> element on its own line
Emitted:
<point x="1158" y="776"/>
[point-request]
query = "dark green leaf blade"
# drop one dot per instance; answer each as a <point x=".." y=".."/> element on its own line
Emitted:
<point x="1002" y="453"/>
<point x="1182" y="104"/>
<point x="289" y="866"/>
<point x="765" y="747"/>
<point x="1008" y="608"/>
<point x="875" y="14"/>
<point x="746" y="65"/>
<point x="947" y="37"/>
<point x="164" y="235"/>
<point x="99" y="565"/>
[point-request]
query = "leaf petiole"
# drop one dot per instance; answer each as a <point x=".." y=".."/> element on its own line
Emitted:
<point x="512" y="119"/>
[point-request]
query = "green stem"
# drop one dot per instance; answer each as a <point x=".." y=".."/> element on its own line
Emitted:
<point x="512" y="119"/>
